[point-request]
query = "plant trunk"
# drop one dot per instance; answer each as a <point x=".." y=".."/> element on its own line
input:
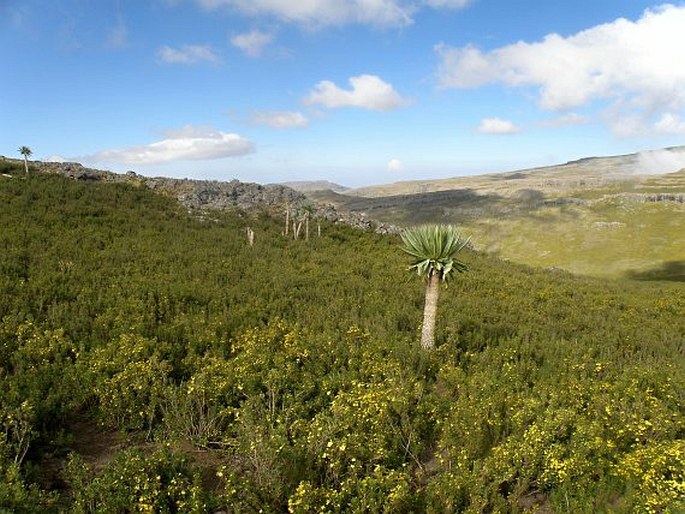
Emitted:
<point x="287" y="220"/>
<point x="26" y="164"/>
<point x="430" y="311"/>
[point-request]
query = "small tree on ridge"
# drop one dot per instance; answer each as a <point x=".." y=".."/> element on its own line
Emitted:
<point x="26" y="152"/>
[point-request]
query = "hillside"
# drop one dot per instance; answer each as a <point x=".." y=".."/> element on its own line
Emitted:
<point x="200" y="195"/>
<point x="151" y="360"/>
<point x="594" y="216"/>
<point x="306" y="186"/>
<point x="557" y="179"/>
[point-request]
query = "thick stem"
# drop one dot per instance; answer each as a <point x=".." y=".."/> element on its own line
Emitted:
<point x="430" y="312"/>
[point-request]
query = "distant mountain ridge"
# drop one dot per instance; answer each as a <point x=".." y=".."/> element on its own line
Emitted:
<point x="606" y="216"/>
<point x="306" y="186"/>
<point x="595" y="171"/>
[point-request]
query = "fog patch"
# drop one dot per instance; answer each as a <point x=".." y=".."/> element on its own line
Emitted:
<point x="658" y="162"/>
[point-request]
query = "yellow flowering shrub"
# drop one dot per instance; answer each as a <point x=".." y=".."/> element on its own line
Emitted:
<point x="584" y="429"/>
<point x="130" y="382"/>
<point x="656" y="474"/>
<point x="382" y="491"/>
<point x="154" y="483"/>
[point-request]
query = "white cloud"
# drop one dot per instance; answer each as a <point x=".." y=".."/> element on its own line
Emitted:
<point x="670" y="124"/>
<point x="451" y="4"/>
<point x="189" y="143"/>
<point x="635" y="65"/>
<point x="321" y="13"/>
<point x="368" y="92"/>
<point x="252" y="43"/>
<point x="497" y="126"/>
<point x="279" y="119"/>
<point x="188" y="54"/>
<point x="395" y="165"/>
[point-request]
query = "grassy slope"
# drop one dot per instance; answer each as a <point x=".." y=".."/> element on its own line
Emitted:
<point x="582" y="217"/>
<point x="119" y="271"/>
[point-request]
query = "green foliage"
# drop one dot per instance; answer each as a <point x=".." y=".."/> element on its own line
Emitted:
<point x="382" y="491"/>
<point x="160" y="482"/>
<point x="292" y="367"/>
<point x="432" y="248"/>
<point x="18" y="497"/>
<point x="129" y="381"/>
<point x="657" y="473"/>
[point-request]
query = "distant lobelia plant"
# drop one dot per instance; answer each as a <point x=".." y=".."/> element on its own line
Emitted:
<point x="26" y="152"/>
<point x="307" y="212"/>
<point x="433" y="249"/>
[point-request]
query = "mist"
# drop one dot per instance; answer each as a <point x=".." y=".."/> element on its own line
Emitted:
<point x="656" y="162"/>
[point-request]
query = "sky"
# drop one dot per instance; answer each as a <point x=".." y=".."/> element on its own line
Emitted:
<point x="357" y="92"/>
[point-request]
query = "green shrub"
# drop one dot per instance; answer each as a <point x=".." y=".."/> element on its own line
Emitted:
<point x="159" y="482"/>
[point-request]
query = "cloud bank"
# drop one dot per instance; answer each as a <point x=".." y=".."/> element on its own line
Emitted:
<point x="189" y="143"/>
<point x="636" y="67"/>
<point x="368" y="92"/>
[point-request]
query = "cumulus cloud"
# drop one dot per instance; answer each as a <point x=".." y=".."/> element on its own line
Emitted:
<point x="189" y="143"/>
<point x="321" y="13"/>
<point x="671" y="124"/>
<point x="188" y="54"/>
<point x="497" y="126"/>
<point x="368" y="92"/>
<point x="635" y="65"/>
<point x="279" y="119"/>
<point x="395" y="165"/>
<point x="253" y="42"/>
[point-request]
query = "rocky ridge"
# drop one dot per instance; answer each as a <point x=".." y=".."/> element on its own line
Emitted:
<point x="200" y="195"/>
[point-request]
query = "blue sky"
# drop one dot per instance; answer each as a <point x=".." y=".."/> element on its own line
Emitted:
<point x="353" y="91"/>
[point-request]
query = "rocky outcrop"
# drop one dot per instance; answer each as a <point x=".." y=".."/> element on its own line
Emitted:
<point x="653" y="197"/>
<point x="354" y="219"/>
<point x="206" y="194"/>
<point x="199" y="195"/>
<point x="77" y="171"/>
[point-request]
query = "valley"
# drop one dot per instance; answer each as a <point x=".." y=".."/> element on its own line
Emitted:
<point x="595" y="216"/>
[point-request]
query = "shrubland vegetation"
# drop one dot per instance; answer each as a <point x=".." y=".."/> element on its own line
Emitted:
<point x="152" y="361"/>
